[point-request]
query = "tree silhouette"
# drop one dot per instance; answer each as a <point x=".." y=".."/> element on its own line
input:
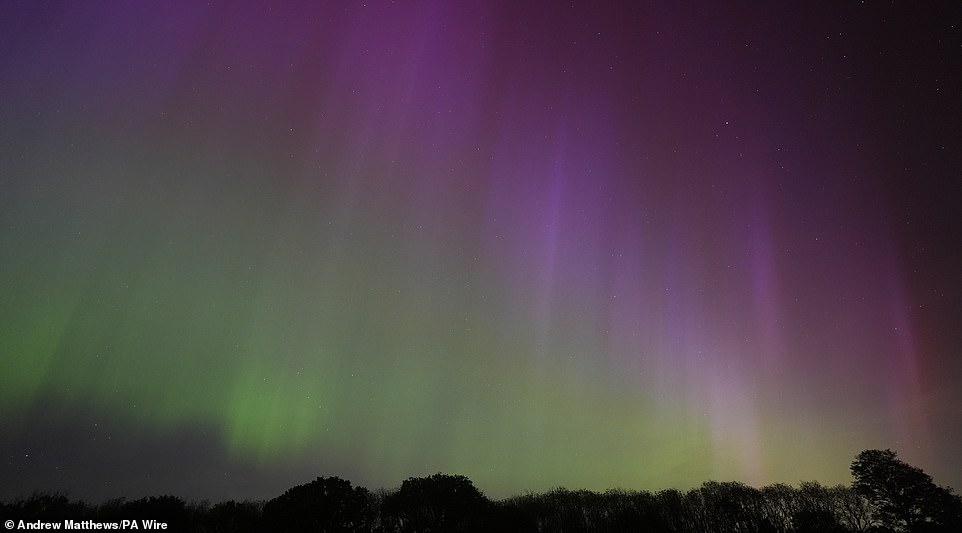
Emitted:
<point x="905" y="498"/>
<point x="853" y="510"/>
<point x="729" y="506"/>
<point x="232" y="516"/>
<point x="436" y="503"/>
<point x="325" y="504"/>
<point x="45" y="506"/>
<point x="166" y="508"/>
<point x="887" y="496"/>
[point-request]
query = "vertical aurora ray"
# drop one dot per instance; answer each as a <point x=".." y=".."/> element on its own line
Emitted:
<point x="585" y="246"/>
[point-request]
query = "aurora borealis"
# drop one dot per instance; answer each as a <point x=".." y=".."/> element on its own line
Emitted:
<point x="539" y="244"/>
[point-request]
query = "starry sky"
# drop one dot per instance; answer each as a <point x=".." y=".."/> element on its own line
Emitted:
<point x="581" y="244"/>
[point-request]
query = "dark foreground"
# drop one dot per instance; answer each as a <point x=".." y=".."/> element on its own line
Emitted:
<point x="887" y="495"/>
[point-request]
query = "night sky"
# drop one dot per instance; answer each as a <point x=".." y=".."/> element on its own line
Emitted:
<point x="540" y="244"/>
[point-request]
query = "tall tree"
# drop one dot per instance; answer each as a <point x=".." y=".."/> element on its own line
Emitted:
<point x="905" y="498"/>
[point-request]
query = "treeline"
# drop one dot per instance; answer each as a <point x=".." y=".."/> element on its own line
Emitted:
<point x="887" y="495"/>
